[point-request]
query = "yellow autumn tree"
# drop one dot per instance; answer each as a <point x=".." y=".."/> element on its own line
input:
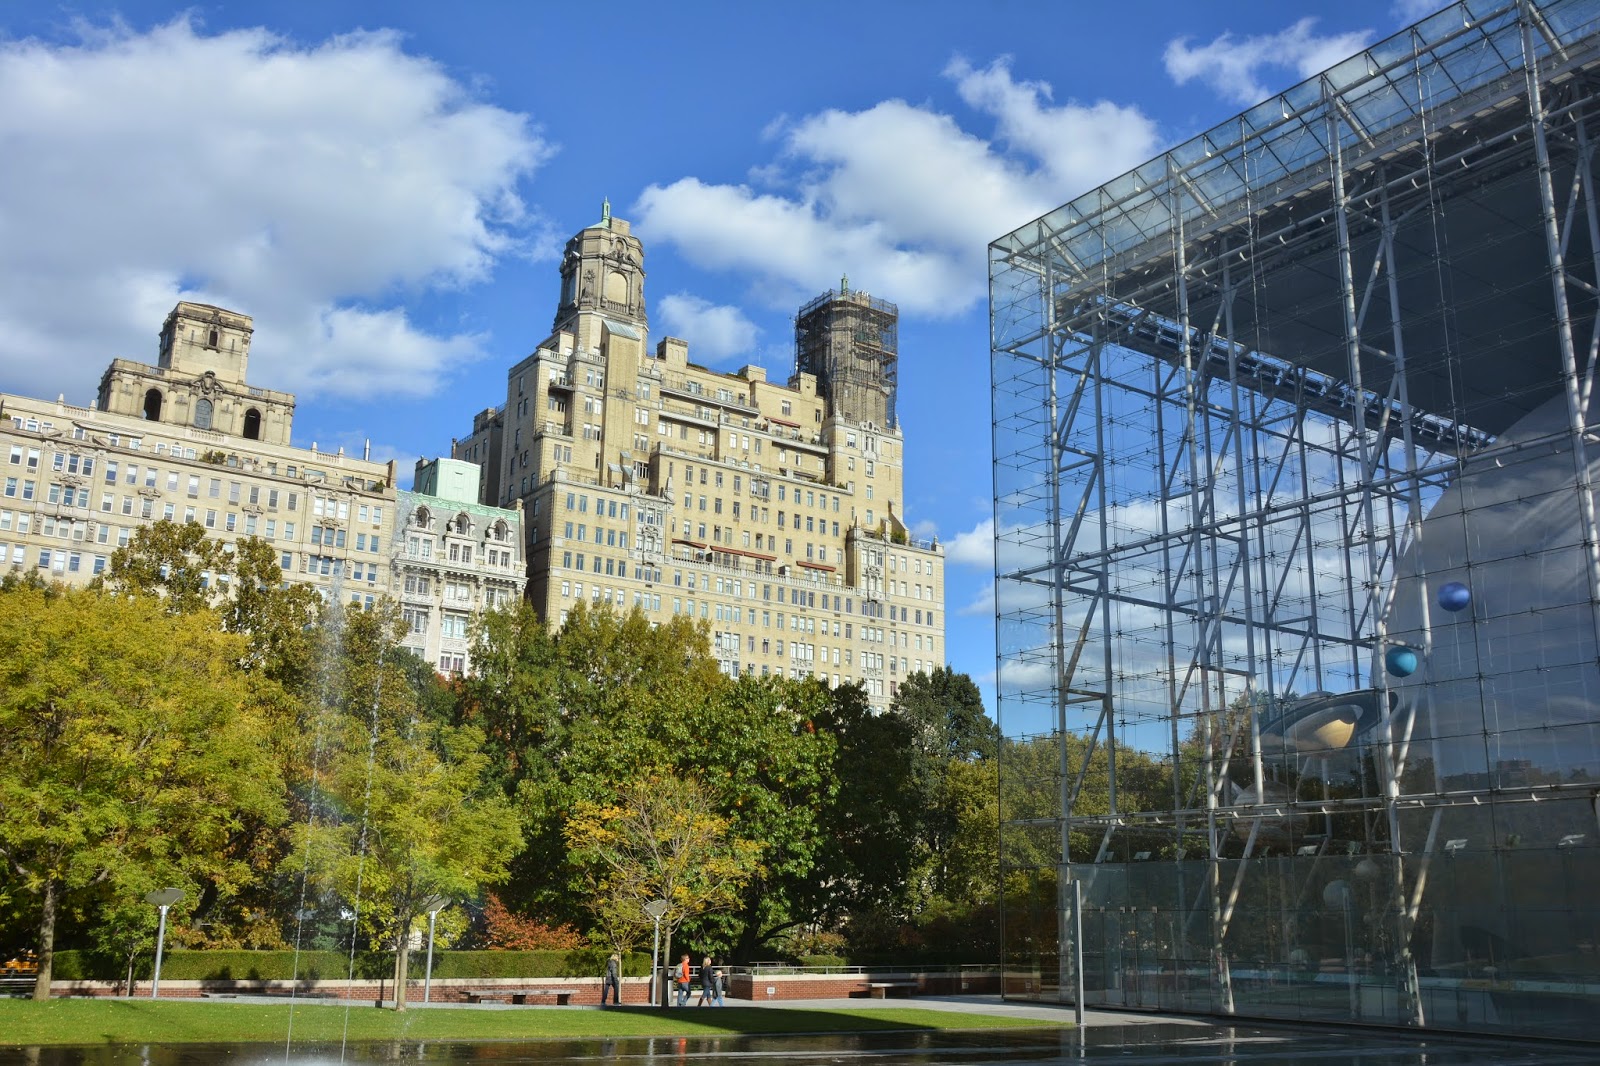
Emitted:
<point x="661" y="841"/>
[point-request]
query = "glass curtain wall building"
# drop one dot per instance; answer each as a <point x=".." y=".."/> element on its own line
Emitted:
<point x="1297" y="560"/>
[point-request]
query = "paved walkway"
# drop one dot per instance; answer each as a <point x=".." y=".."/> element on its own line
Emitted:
<point x="990" y="1005"/>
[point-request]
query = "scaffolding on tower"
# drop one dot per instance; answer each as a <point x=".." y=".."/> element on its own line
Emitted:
<point x="850" y="342"/>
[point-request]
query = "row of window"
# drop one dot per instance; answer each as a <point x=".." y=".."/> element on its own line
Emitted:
<point x="132" y="474"/>
<point x="604" y="507"/>
<point x="333" y="566"/>
<point x="418" y="547"/>
<point x="611" y="538"/>
<point x="332" y="537"/>
<point x="54" y="560"/>
<point x="726" y="612"/>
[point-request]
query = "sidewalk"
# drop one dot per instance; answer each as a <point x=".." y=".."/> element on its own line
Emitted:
<point x="991" y="1005"/>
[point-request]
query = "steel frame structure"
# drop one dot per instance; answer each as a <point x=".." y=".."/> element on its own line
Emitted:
<point x="1228" y="387"/>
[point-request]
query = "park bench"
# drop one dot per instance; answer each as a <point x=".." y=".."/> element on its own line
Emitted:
<point x="884" y="989"/>
<point x="562" y="996"/>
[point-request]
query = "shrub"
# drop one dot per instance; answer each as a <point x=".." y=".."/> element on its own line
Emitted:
<point x="336" y="965"/>
<point x="834" y="961"/>
<point x="516" y="933"/>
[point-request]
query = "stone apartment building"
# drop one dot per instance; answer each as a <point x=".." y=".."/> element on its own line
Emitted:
<point x="771" y="511"/>
<point x="191" y="440"/>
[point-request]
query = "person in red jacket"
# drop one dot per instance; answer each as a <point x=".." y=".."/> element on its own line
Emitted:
<point x="683" y="980"/>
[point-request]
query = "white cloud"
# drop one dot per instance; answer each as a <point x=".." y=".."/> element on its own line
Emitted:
<point x="304" y="186"/>
<point x="1233" y="68"/>
<point x="975" y="547"/>
<point x="1409" y="11"/>
<point x="902" y="198"/>
<point x="714" y="331"/>
<point x="1079" y="145"/>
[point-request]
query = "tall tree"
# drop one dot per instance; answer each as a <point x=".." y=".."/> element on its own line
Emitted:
<point x="133" y="741"/>
<point x="575" y="716"/>
<point x="181" y="567"/>
<point x="759" y="750"/>
<point x="945" y="709"/>
<point x="944" y="712"/>
<point x="871" y="830"/>
<point x="662" y="840"/>
<point x="412" y="812"/>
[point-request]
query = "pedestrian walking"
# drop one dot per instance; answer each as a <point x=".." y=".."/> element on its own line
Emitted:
<point x="612" y="982"/>
<point x="706" y="982"/>
<point x="683" y="980"/>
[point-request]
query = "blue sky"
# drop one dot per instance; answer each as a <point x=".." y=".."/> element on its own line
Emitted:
<point x="385" y="187"/>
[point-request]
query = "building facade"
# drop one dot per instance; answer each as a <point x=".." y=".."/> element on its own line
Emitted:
<point x="1297" y="572"/>
<point x="454" y="558"/>
<point x="190" y="440"/>
<point x="772" y="512"/>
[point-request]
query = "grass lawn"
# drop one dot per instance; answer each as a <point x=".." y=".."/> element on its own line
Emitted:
<point x="102" y="1021"/>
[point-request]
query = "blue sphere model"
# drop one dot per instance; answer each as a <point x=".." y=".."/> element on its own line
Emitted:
<point x="1400" y="661"/>
<point x="1454" y="596"/>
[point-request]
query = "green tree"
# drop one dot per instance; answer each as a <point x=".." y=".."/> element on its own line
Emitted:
<point x="412" y="812"/>
<point x="871" y="829"/>
<point x="575" y="716"/>
<point x="661" y="840"/>
<point x="242" y="581"/>
<point x="769" y="766"/>
<point x="176" y="561"/>
<point x="134" y="743"/>
<point x="971" y="862"/>
<point x="943" y="710"/>
<point x="181" y="567"/>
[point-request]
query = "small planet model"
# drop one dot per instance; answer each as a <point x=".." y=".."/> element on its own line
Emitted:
<point x="1454" y="596"/>
<point x="1321" y="722"/>
<point x="1400" y="661"/>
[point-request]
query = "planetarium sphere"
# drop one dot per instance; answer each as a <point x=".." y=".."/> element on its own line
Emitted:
<point x="1455" y="596"/>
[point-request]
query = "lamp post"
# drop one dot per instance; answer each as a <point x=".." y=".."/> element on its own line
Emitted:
<point x="655" y="909"/>
<point x="433" y="905"/>
<point x="163" y="898"/>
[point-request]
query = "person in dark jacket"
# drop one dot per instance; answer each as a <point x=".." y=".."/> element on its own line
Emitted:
<point x="612" y="982"/>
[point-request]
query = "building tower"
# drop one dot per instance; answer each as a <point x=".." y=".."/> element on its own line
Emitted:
<point x="602" y="272"/>
<point x="850" y="343"/>
<point x="766" y="509"/>
<point x="199" y="380"/>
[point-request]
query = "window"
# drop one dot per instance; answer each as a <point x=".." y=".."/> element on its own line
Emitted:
<point x="202" y="412"/>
